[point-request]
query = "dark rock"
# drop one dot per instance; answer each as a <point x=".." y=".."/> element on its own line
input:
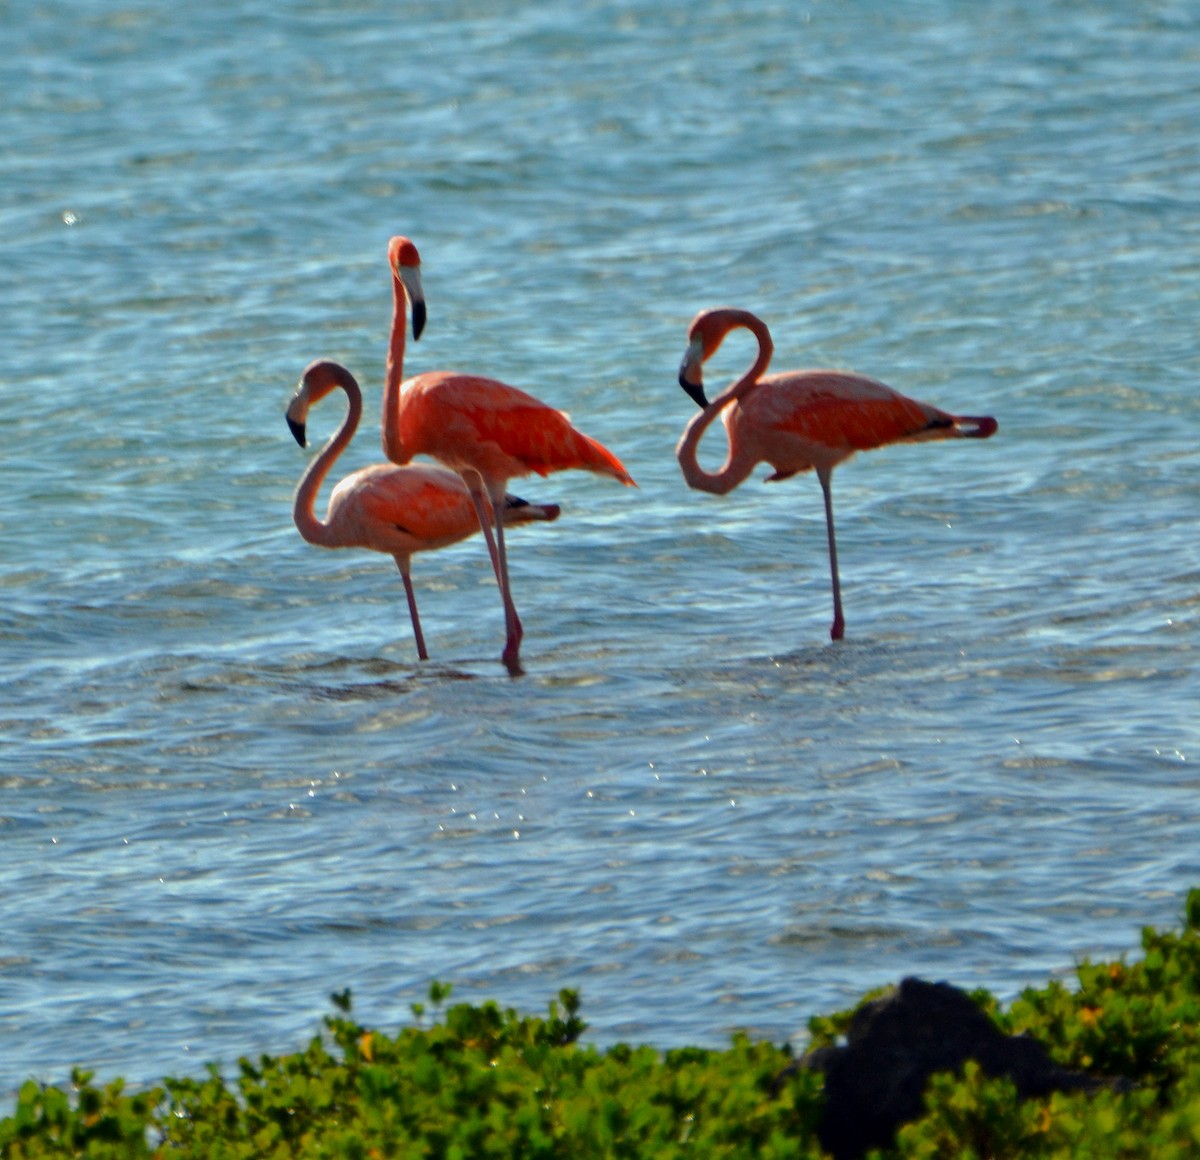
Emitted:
<point x="877" y="1081"/>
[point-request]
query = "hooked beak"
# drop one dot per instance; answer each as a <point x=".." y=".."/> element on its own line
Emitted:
<point x="297" y="414"/>
<point x="410" y="278"/>
<point x="691" y="374"/>
<point x="297" y="429"/>
<point x="694" y="390"/>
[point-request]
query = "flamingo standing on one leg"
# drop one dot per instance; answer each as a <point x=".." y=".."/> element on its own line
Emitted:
<point x="485" y="430"/>
<point x="796" y="420"/>
<point x="397" y="510"/>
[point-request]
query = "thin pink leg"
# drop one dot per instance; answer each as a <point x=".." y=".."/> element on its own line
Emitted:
<point x="512" y="622"/>
<point x="495" y="543"/>
<point x="412" y="610"/>
<point x="838" y="628"/>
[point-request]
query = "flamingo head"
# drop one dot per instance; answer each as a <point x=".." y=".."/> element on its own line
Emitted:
<point x="703" y="340"/>
<point x="705" y="334"/>
<point x="406" y="268"/>
<point x="319" y="378"/>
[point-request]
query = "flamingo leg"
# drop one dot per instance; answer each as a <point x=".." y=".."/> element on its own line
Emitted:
<point x="838" y="628"/>
<point x="495" y="543"/>
<point x="512" y="622"/>
<point x="412" y="607"/>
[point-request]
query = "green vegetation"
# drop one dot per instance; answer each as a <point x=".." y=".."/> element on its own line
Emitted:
<point x="483" y="1082"/>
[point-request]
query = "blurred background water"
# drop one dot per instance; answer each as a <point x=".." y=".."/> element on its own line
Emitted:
<point x="227" y="786"/>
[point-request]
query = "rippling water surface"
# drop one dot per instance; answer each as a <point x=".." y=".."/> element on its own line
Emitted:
<point x="227" y="787"/>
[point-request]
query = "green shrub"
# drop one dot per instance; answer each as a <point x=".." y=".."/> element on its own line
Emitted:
<point x="479" y="1081"/>
<point x="1139" y="1020"/>
<point x="98" y="1122"/>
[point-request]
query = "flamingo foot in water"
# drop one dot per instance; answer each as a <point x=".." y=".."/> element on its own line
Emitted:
<point x="512" y="653"/>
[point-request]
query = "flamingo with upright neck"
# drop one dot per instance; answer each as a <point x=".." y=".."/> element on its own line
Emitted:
<point x="396" y="510"/>
<point x="799" y="420"/>
<point x="483" y="429"/>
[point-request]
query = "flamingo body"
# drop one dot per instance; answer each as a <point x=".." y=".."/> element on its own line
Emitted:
<point x="481" y="428"/>
<point x="417" y="508"/>
<point x="799" y="421"/>
<point x="383" y="507"/>
<point x="475" y="424"/>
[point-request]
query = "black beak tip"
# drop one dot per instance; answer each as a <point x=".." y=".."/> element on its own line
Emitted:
<point x="695" y="391"/>
<point x="418" y="319"/>
<point x="297" y="429"/>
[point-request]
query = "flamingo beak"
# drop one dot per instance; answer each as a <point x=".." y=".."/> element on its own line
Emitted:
<point x="410" y="278"/>
<point x="297" y="429"/>
<point x="297" y="414"/>
<point x="694" y="390"/>
<point x="691" y="374"/>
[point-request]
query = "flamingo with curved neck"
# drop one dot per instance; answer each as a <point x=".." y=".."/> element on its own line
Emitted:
<point x="799" y="420"/>
<point x="385" y="508"/>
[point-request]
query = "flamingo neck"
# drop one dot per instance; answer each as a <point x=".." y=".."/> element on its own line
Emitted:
<point x="737" y="466"/>
<point x="310" y="527"/>
<point x="393" y="445"/>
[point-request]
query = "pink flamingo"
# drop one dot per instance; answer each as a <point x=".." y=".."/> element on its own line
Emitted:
<point x="796" y="420"/>
<point x="485" y="430"/>
<point x="397" y="510"/>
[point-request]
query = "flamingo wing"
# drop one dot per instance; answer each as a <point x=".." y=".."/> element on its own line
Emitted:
<point x="842" y="412"/>
<point x="475" y="423"/>
<point x="428" y="504"/>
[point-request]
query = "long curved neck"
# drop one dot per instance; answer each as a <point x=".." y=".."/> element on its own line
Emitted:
<point x="393" y="447"/>
<point x="737" y="467"/>
<point x="310" y="527"/>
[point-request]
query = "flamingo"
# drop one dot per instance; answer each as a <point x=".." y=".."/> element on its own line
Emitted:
<point x="796" y="420"/>
<point x="483" y="429"/>
<point x="397" y="510"/>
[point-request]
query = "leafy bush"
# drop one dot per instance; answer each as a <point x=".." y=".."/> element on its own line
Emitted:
<point x="483" y="1082"/>
<point x="99" y="1122"/>
<point x="1134" y="1023"/>
<point x="480" y="1082"/>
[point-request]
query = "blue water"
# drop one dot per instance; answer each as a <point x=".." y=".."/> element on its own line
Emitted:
<point x="227" y="786"/>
